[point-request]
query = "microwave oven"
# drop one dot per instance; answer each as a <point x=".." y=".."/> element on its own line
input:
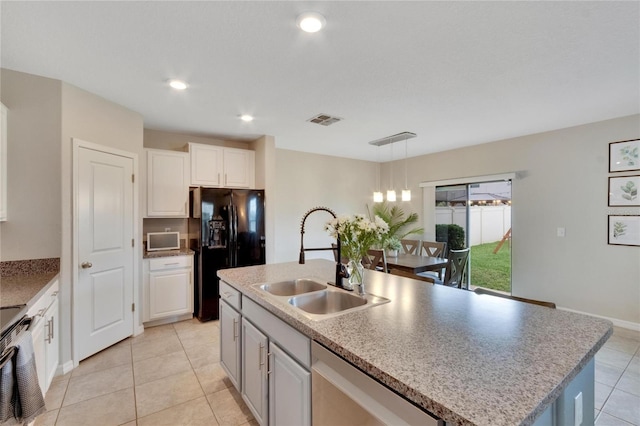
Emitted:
<point x="163" y="241"/>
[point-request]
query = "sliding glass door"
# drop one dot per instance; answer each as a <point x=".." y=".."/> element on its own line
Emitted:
<point x="478" y="215"/>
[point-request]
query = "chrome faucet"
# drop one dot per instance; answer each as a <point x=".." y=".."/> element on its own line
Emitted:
<point x="341" y="270"/>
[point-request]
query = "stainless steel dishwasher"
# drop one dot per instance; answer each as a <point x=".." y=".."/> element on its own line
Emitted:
<point x="342" y="394"/>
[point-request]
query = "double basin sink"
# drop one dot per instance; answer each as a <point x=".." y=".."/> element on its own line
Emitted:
<point x="315" y="299"/>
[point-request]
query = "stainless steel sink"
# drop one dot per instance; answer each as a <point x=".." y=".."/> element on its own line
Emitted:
<point x="293" y="287"/>
<point x="325" y="303"/>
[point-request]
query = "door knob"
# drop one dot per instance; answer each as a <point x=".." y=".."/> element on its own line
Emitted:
<point x="86" y="265"/>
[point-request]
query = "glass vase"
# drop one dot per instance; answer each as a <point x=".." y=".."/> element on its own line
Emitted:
<point x="356" y="273"/>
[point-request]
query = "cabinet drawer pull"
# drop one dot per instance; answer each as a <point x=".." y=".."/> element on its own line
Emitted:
<point x="41" y="313"/>
<point x="260" y="361"/>
<point x="54" y="294"/>
<point x="226" y="295"/>
<point x="173" y="263"/>
<point x="269" y="363"/>
<point x="235" y="329"/>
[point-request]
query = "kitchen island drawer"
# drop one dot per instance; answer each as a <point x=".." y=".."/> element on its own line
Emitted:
<point x="230" y="295"/>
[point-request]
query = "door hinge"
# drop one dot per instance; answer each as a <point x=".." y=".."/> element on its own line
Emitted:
<point x="133" y="242"/>
<point x="133" y="307"/>
<point x="133" y="178"/>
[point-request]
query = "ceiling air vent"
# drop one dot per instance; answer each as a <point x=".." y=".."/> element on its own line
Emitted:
<point x="324" y="119"/>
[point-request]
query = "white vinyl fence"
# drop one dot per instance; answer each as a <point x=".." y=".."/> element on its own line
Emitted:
<point x="488" y="223"/>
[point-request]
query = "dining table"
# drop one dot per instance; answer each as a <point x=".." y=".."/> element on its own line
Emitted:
<point x="414" y="263"/>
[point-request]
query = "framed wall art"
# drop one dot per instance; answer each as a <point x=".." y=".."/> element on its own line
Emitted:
<point x="624" y="230"/>
<point x="624" y="156"/>
<point x="623" y="191"/>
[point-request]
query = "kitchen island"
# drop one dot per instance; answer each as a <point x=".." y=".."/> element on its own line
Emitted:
<point x="465" y="358"/>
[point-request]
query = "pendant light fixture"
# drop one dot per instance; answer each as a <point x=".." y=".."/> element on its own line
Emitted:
<point x="406" y="192"/>
<point x="377" y="194"/>
<point x="391" y="193"/>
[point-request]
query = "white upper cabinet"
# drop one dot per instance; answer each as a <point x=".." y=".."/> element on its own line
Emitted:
<point x="215" y="166"/>
<point x="167" y="183"/>
<point x="3" y="163"/>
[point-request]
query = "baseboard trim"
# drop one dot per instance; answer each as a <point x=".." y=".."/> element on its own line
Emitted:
<point x="617" y="322"/>
<point x="64" y="368"/>
<point x="139" y="329"/>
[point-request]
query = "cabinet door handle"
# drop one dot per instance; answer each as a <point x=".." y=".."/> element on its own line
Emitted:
<point x="52" y="328"/>
<point x="218" y="178"/>
<point x="269" y="363"/>
<point x="260" y="361"/>
<point x="235" y="329"/>
<point x="49" y="326"/>
<point x="225" y="179"/>
<point x="86" y="265"/>
<point x="226" y="295"/>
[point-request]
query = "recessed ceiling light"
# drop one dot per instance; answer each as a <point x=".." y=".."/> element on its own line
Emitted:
<point x="246" y="117"/>
<point x="311" y="22"/>
<point x="178" y="84"/>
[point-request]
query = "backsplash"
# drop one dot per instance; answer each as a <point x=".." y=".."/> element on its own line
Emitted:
<point x="29" y="267"/>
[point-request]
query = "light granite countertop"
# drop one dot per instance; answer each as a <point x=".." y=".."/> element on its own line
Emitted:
<point x="469" y="359"/>
<point x="167" y="253"/>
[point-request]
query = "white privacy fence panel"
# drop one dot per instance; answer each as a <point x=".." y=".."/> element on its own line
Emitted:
<point x="488" y="223"/>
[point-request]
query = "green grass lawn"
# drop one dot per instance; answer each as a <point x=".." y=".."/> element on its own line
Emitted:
<point x="490" y="270"/>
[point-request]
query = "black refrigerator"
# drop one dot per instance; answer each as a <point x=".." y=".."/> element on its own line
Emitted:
<point x="226" y="230"/>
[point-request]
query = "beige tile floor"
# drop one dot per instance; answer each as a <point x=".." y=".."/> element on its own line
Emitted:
<point x="171" y="375"/>
<point x="617" y="390"/>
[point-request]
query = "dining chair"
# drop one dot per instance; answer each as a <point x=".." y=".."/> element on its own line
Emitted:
<point x="480" y="290"/>
<point x="374" y="259"/>
<point x="455" y="269"/>
<point x="433" y="248"/>
<point x="410" y="246"/>
<point x="406" y="274"/>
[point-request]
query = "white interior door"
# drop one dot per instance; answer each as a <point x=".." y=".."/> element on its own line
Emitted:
<point x="103" y="291"/>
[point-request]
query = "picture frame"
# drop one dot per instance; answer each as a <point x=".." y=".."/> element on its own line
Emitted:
<point x="624" y="156"/>
<point x="624" y="191"/>
<point x="624" y="230"/>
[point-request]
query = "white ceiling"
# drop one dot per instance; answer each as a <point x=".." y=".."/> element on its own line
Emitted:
<point x="454" y="73"/>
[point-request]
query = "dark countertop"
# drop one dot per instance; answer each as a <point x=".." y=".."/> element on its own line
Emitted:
<point x="467" y="358"/>
<point x="24" y="289"/>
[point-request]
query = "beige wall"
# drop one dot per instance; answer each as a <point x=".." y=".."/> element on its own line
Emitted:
<point x="265" y="161"/>
<point x="563" y="182"/>
<point x="33" y="229"/>
<point x="44" y="116"/>
<point x="304" y="181"/>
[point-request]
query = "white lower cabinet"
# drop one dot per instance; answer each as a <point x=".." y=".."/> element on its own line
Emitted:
<point x="289" y="390"/>
<point x="168" y="287"/>
<point x="275" y="361"/>
<point x="255" y="380"/>
<point x="45" y="336"/>
<point x="230" y="342"/>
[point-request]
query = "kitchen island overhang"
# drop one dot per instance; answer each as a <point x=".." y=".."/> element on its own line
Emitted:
<point x="466" y="358"/>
